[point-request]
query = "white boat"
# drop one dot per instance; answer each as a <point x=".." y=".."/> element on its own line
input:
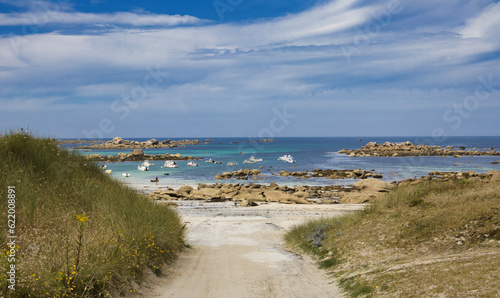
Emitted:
<point x="288" y="158"/>
<point x="170" y="164"/>
<point x="192" y="164"/>
<point x="142" y="168"/>
<point x="103" y="167"/>
<point x="108" y="171"/>
<point x="232" y="164"/>
<point x="210" y="160"/>
<point x="249" y="161"/>
<point x="255" y="159"/>
<point x="125" y="174"/>
<point x="148" y="164"/>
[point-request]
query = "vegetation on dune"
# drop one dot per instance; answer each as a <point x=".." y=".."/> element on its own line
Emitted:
<point x="79" y="232"/>
<point x="424" y="240"/>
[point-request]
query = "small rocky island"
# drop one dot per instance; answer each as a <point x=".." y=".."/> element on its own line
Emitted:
<point x="409" y="149"/>
<point x="137" y="155"/>
<point x="119" y="143"/>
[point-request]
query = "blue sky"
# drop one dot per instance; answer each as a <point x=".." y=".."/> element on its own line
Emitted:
<point x="250" y="68"/>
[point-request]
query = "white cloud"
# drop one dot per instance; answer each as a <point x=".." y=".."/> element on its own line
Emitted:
<point x="485" y="24"/>
<point x="41" y="18"/>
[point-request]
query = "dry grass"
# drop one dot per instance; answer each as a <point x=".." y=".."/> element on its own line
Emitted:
<point x="430" y="239"/>
<point x="80" y="233"/>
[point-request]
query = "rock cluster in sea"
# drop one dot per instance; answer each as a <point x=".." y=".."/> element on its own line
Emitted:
<point x="119" y="143"/>
<point x="246" y="174"/>
<point x="332" y="174"/>
<point x="78" y="141"/>
<point x="445" y="176"/>
<point x="137" y="155"/>
<point x="243" y="174"/>
<point x="409" y="149"/>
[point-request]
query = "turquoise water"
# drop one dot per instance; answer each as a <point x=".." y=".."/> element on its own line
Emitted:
<point x="309" y="153"/>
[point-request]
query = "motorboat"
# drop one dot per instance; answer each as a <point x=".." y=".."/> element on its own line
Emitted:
<point x="166" y="174"/>
<point x="125" y="174"/>
<point x="210" y="160"/>
<point x="108" y="171"/>
<point x="155" y="180"/>
<point x="192" y="164"/>
<point x="252" y="160"/>
<point x="232" y="164"/>
<point x="255" y="159"/>
<point x="217" y="162"/>
<point x="142" y="168"/>
<point x="170" y="164"/>
<point x="288" y="158"/>
<point x="249" y="161"/>
<point x="148" y="164"/>
<point x="103" y="167"/>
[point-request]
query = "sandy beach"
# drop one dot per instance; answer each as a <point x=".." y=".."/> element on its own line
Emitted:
<point x="238" y="252"/>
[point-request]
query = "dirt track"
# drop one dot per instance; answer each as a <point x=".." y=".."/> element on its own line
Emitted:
<point x="237" y="252"/>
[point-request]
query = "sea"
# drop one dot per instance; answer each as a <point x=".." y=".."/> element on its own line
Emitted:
<point x="309" y="153"/>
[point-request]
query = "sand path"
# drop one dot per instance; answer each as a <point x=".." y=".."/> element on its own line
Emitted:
<point x="238" y="252"/>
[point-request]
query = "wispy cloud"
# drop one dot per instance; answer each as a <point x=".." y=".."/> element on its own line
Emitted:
<point x="117" y="18"/>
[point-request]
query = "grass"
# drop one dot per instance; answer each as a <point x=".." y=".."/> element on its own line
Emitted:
<point x="79" y="232"/>
<point x="424" y="240"/>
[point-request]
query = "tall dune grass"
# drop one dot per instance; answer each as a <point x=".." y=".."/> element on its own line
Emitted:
<point x="414" y="242"/>
<point x="79" y="232"/>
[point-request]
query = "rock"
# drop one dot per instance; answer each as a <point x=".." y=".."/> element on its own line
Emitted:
<point x="137" y="152"/>
<point x="273" y="185"/>
<point x="152" y="142"/>
<point x="95" y="157"/>
<point x="205" y="194"/>
<point x="373" y="185"/>
<point x="251" y="196"/>
<point x="117" y="140"/>
<point x="246" y="203"/>
<point x="282" y="197"/>
<point x="184" y="191"/>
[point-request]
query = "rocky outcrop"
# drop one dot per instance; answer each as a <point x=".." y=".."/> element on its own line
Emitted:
<point x="119" y="143"/>
<point x="445" y="176"/>
<point x="137" y="155"/>
<point x="255" y="193"/>
<point x="332" y="174"/>
<point x="79" y="141"/>
<point x="363" y="191"/>
<point x="243" y="174"/>
<point x="408" y="149"/>
<point x="366" y="190"/>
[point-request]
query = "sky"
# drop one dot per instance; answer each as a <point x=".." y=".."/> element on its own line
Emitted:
<point x="241" y="68"/>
